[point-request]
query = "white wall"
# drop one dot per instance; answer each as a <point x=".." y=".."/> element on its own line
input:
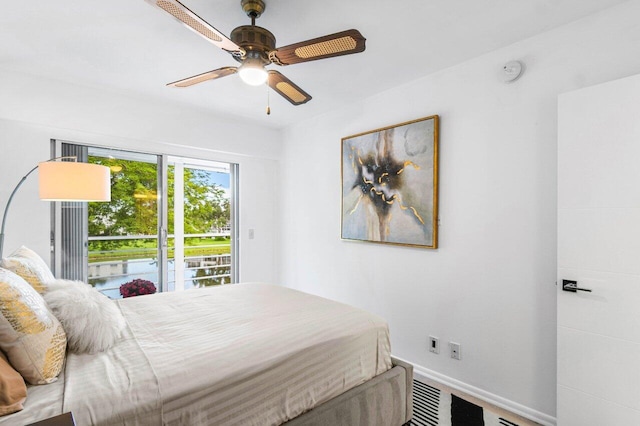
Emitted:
<point x="490" y="285"/>
<point x="33" y="111"/>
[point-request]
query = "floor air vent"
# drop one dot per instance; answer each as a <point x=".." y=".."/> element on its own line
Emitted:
<point x="433" y="407"/>
<point x="426" y="405"/>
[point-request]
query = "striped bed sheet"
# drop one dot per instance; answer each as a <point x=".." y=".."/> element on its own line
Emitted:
<point x="242" y="354"/>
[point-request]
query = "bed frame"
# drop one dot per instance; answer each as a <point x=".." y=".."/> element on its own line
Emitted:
<point x="385" y="400"/>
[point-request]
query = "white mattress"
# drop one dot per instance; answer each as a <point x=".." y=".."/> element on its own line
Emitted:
<point x="242" y="354"/>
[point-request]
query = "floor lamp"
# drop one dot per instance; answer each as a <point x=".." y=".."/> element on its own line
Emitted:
<point x="66" y="181"/>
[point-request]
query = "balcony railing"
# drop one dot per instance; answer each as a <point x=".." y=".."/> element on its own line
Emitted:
<point x="204" y="265"/>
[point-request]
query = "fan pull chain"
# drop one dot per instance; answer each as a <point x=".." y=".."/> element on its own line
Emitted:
<point x="268" y="107"/>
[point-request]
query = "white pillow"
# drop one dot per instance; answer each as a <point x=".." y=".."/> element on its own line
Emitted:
<point x="92" y="321"/>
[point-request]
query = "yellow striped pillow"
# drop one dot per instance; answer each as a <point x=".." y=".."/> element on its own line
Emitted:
<point x="30" y="266"/>
<point x="30" y="335"/>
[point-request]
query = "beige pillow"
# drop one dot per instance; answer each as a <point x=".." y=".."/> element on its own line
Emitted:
<point x="30" y="334"/>
<point x="13" y="391"/>
<point x="30" y="266"/>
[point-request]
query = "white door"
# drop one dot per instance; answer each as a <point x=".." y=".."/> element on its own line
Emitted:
<point x="599" y="248"/>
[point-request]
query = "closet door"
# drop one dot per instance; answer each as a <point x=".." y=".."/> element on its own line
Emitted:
<point x="599" y="255"/>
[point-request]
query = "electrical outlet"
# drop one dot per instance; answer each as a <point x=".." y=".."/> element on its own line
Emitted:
<point x="455" y="350"/>
<point x="434" y="345"/>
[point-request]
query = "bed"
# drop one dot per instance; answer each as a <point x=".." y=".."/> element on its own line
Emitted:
<point x="242" y="354"/>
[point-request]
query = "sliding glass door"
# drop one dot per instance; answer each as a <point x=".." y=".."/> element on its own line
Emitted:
<point x="200" y="223"/>
<point x="123" y="235"/>
<point x="170" y="221"/>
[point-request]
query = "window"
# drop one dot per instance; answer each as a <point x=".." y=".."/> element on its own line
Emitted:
<point x="171" y="220"/>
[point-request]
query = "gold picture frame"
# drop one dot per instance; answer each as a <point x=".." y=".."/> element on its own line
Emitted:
<point x="390" y="184"/>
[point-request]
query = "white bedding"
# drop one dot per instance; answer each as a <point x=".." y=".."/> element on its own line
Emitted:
<point x="242" y="354"/>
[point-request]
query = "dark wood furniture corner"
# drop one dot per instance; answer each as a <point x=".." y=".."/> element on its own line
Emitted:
<point x="65" y="419"/>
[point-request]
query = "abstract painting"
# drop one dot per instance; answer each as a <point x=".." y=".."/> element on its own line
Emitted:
<point x="390" y="184"/>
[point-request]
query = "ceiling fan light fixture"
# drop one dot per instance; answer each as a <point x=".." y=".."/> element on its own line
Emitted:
<point x="255" y="48"/>
<point x="253" y="74"/>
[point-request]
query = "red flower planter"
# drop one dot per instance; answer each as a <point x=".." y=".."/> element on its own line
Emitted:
<point x="137" y="287"/>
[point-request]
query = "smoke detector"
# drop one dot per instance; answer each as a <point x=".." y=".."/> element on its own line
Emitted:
<point x="511" y="71"/>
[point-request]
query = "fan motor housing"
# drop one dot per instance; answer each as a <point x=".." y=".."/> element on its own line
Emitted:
<point x="256" y="41"/>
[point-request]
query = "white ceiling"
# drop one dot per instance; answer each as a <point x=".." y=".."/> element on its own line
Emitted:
<point x="128" y="45"/>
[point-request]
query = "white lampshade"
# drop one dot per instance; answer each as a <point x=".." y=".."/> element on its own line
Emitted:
<point x="72" y="181"/>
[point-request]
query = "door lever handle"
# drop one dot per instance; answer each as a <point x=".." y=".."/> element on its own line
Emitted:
<point x="572" y="286"/>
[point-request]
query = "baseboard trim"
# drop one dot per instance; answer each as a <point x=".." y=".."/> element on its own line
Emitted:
<point x="498" y="401"/>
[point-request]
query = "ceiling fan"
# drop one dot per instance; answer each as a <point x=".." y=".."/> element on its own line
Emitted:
<point x="255" y="48"/>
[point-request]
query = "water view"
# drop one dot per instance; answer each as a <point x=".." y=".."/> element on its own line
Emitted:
<point x="199" y="271"/>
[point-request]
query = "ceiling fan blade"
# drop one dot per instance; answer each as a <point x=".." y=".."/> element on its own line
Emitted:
<point x="196" y="24"/>
<point x="209" y="75"/>
<point x="287" y="88"/>
<point x="338" y="44"/>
